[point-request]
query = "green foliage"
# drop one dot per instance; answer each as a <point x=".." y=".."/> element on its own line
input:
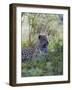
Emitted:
<point x="51" y="65"/>
<point x="52" y="62"/>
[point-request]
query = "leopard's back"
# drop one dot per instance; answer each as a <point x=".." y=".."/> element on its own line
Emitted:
<point x="27" y="53"/>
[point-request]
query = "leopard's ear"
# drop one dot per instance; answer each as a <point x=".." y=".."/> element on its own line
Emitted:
<point x="39" y="37"/>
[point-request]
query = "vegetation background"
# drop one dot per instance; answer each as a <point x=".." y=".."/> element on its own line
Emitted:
<point x="51" y="24"/>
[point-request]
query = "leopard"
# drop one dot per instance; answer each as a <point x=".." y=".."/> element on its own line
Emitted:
<point x="41" y="47"/>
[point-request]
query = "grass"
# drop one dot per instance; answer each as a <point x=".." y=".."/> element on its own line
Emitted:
<point x="40" y="68"/>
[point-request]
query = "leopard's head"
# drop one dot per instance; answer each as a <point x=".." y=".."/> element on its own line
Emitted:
<point x="43" y="43"/>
